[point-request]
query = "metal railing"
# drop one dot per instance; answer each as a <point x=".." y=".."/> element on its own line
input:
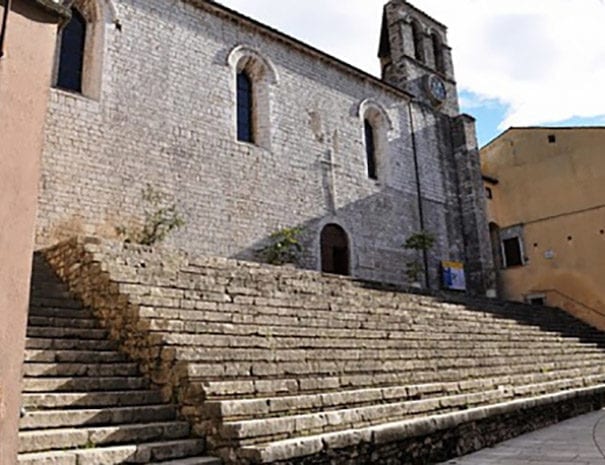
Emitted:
<point x="573" y="300"/>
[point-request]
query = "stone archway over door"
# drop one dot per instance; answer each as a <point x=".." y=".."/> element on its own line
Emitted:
<point x="335" y="250"/>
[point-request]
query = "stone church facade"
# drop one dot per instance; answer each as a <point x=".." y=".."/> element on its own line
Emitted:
<point x="157" y="103"/>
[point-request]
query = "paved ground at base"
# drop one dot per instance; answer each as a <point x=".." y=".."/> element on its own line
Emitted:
<point x="572" y="442"/>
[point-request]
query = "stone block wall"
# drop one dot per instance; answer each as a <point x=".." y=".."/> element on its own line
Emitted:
<point x="165" y="116"/>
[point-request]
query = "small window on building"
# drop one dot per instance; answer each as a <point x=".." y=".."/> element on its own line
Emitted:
<point x="536" y="300"/>
<point x="370" y="149"/>
<point x="513" y="252"/>
<point x="488" y="193"/>
<point x="552" y="139"/>
<point x="71" y="54"/>
<point x="245" y="128"/>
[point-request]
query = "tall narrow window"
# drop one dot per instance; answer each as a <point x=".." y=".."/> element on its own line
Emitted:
<point x="370" y="149"/>
<point x="71" y="58"/>
<point x="418" y="41"/>
<point x="245" y="129"/>
<point x="438" y="52"/>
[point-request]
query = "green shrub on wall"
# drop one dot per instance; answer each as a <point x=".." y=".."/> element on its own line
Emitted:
<point x="284" y="247"/>
<point x="161" y="218"/>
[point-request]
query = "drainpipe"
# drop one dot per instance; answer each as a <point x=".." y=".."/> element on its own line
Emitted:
<point x="425" y="255"/>
<point x="7" y="8"/>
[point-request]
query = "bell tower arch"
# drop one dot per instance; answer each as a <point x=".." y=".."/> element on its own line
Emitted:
<point x="415" y="56"/>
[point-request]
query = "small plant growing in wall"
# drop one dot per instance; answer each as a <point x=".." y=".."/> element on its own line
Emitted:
<point x="161" y="218"/>
<point x="284" y="247"/>
<point x="420" y="242"/>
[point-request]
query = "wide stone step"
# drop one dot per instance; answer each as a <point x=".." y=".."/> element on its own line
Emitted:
<point x="52" y="312"/>
<point x="72" y="438"/>
<point x="49" y="289"/>
<point x="227" y="389"/>
<point x="384" y="314"/>
<point x="352" y="342"/>
<point x="69" y="344"/>
<point x="57" y="302"/>
<point x="271" y="429"/>
<point x="83" y="384"/>
<point x="75" y="356"/>
<point x="328" y="329"/>
<point x="194" y="461"/>
<point x="62" y="322"/>
<point x="218" y="355"/>
<point x="74" y="400"/>
<point x="385" y="433"/>
<point x="479" y="366"/>
<point x="42" y="370"/>
<point x="106" y="416"/>
<point x="66" y="333"/>
<point x="205" y="322"/>
<point x="277" y="428"/>
<point x="267" y="407"/>
<point x="144" y="453"/>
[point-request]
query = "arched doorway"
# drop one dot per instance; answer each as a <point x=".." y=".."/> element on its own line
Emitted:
<point x="334" y="250"/>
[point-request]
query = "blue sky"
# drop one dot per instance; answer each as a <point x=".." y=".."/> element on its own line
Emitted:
<point x="517" y="62"/>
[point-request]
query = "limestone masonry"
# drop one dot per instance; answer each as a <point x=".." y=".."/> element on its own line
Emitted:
<point x="289" y="367"/>
<point x="158" y="107"/>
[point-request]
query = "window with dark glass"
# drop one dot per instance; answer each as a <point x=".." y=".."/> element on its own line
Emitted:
<point x="245" y="130"/>
<point x="71" y="56"/>
<point x="512" y="252"/>
<point x="370" y="150"/>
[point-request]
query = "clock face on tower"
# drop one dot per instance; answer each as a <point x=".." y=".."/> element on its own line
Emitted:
<point x="435" y="88"/>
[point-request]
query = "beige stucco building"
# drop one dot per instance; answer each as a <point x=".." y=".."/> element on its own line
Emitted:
<point x="27" y="43"/>
<point x="546" y="203"/>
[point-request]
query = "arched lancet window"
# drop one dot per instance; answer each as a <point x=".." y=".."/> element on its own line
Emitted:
<point x="254" y="76"/>
<point x="80" y="49"/>
<point x="438" y="52"/>
<point x="375" y="124"/>
<point x="71" y="55"/>
<point x="335" y="250"/>
<point x="418" y="41"/>
<point x="245" y="108"/>
<point x="370" y="141"/>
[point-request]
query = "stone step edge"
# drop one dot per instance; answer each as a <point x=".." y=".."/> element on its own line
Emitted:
<point x="32" y="414"/>
<point x="82" y="453"/>
<point x="226" y="409"/>
<point x="392" y="432"/>
<point x="248" y="430"/>
<point x="252" y="388"/>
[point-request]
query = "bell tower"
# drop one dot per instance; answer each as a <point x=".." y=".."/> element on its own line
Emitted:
<point x="415" y="57"/>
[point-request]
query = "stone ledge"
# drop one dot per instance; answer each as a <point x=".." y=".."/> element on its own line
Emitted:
<point x="322" y="449"/>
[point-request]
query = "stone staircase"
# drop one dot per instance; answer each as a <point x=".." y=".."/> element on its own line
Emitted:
<point x="85" y="402"/>
<point x="291" y="367"/>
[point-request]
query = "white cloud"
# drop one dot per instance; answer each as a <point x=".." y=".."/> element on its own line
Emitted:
<point x="543" y="59"/>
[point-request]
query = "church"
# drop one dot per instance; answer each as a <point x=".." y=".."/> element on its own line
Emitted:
<point x="249" y="131"/>
<point x="190" y="353"/>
